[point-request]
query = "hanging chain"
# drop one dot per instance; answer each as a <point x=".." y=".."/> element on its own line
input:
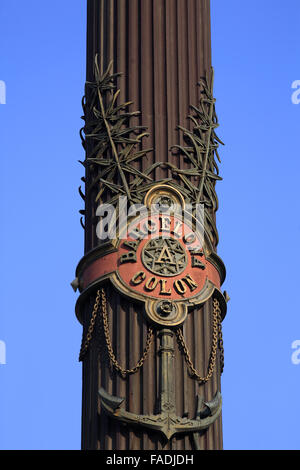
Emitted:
<point x="111" y="354"/>
<point x="216" y="338"/>
<point x="220" y="340"/>
<point x="85" y="344"/>
<point x="217" y="341"/>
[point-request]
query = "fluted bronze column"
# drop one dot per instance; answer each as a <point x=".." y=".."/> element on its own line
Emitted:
<point x="162" y="49"/>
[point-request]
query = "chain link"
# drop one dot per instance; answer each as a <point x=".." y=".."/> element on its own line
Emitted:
<point x="217" y="341"/>
<point x="220" y="339"/>
<point x="111" y="354"/>
<point x="216" y="336"/>
<point x="85" y="344"/>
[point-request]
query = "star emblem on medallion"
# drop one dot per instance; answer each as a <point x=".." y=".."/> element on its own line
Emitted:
<point x="164" y="256"/>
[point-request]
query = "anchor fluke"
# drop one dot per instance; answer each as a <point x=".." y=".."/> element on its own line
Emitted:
<point x="166" y="423"/>
<point x="211" y="407"/>
<point x="110" y="400"/>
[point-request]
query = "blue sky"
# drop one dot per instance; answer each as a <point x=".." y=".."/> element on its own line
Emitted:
<point x="256" y="60"/>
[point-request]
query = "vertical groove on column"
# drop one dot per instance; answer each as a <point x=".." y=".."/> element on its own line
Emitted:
<point x="120" y="390"/>
<point x="171" y="73"/>
<point x="133" y="78"/>
<point x="182" y="67"/>
<point x="160" y="126"/>
<point x="147" y="76"/>
<point x="205" y="357"/>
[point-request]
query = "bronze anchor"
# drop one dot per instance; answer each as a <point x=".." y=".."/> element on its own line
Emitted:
<point x="166" y="422"/>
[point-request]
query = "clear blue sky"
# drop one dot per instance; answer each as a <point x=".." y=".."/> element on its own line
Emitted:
<point x="256" y="59"/>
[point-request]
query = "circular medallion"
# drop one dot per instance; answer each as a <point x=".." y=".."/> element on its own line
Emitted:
<point x="160" y="259"/>
<point x="164" y="256"/>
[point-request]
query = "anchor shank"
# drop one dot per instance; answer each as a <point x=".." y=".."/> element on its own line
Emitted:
<point x="166" y="371"/>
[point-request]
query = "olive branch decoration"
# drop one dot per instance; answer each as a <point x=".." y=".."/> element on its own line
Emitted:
<point x="201" y="149"/>
<point x="114" y="145"/>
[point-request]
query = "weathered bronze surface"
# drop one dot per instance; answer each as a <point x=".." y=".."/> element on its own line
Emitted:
<point x="162" y="49"/>
<point x="166" y="422"/>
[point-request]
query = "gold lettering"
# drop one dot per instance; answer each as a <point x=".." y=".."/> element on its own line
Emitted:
<point x="131" y="245"/>
<point x="190" y="238"/>
<point x="165" y="258"/>
<point x="150" y="226"/>
<point x="129" y="257"/>
<point x="163" y="290"/>
<point x="138" y="278"/>
<point x="136" y="234"/>
<point x="178" y="228"/>
<point x="190" y="282"/>
<point x="180" y="287"/>
<point x="151" y="283"/>
<point x="197" y="250"/>
<point x="165" y="223"/>
<point x="196" y="263"/>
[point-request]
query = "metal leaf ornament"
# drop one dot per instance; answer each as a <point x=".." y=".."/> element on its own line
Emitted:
<point x="113" y="145"/>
